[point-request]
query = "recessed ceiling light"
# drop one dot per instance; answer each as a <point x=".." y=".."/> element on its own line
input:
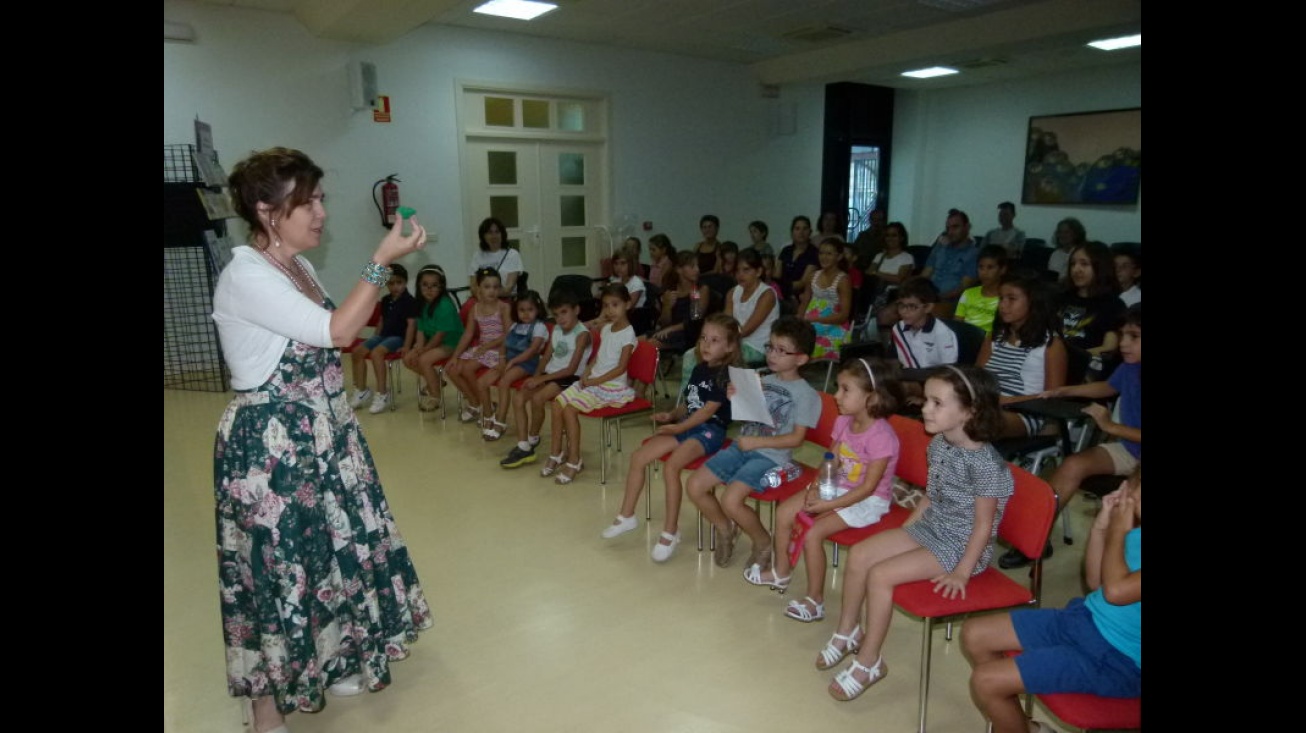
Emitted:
<point x="1112" y="44"/>
<point x="519" y="9"/>
<point x="931" y="72"/>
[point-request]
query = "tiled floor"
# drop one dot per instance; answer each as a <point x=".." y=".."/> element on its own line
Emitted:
<point x="541" y="625"/>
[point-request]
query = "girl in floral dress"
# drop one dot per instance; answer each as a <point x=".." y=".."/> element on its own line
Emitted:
<point x="829" y="307"/>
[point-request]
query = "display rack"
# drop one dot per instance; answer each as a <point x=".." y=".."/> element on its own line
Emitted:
<point x="192" y="356"/>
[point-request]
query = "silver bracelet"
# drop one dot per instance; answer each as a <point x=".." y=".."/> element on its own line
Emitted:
<point x="375" y="274"/>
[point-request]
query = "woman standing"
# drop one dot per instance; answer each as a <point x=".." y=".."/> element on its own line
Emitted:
<point x="494" y="252"/>
<point x="317" y="590"/>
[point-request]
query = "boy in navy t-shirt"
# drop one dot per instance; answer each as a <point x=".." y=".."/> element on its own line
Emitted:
<point x="395" y="334"/>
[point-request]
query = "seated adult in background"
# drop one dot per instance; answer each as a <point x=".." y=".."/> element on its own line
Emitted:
<point x="1129" y="273"/>
<point x="709" y="259"/>
<point x="494" y="252"/>
<point x="662" y="255"/>
<point x="830" y="225"/>
<point x="953" y="264"/>
<point x="870" y="242"/>
<point x="1068" y="235"/>
<point x="797" y="263"/>
<point x="1090" y="309"/>
<point x="758" y="232"/>
<point x="1007" y="234"/>
<point x="891" y="267"/>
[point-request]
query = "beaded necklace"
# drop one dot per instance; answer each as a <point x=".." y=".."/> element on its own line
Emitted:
<point x="321" y="297"/>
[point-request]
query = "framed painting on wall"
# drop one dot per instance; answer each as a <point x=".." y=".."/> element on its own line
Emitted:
<point x="1084" y="158"/>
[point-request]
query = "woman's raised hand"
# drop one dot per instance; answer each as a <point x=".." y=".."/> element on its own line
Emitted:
<point x="396" y="244"/>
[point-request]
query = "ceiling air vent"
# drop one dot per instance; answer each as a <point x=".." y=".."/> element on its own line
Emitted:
<point x="818" y="34"/>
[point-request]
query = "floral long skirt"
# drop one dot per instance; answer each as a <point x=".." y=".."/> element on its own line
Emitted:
<point x="315" y="580"/>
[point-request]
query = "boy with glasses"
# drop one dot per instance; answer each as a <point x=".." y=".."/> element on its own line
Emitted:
<point x="794" y="407"/>
<point x="918" y="337"/>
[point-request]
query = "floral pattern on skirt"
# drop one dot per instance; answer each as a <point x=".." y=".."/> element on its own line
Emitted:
<point x="315" y="580"/>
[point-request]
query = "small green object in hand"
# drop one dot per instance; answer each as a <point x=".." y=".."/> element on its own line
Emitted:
<point x="405" y="212"/>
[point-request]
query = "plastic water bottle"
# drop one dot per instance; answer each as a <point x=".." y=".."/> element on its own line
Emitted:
<point x="781" y="474"/>
<point x="827" y="478"/>
<point x="695" y="306"/>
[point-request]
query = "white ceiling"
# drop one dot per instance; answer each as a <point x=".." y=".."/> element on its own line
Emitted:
<point x="784" y="41"/>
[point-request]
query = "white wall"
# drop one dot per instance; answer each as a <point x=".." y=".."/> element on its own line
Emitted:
<point x="965" y="148"/>
<point x="688" y="137"/>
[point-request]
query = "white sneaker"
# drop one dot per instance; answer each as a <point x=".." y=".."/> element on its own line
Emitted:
<point x="622" y="526"/>
<point x="360" y="398"/>
<point x="348" y="687"/>
<point x="379" y="403"/>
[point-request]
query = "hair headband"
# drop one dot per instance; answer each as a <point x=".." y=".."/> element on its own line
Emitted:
<point x="960" y="373"/>
<point x="869" y="373"/>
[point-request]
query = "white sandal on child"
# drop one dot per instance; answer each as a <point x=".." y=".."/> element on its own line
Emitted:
<point x="564" y="478"/>
<point x="832" y="655"/>
<point x="799" y="611"/>
<point x="492" y="429"/>
<point x="850" y="686"/>
<point x="469" y="414"/>
<point x="553" y="464"/>
<point x="753" y="574"/>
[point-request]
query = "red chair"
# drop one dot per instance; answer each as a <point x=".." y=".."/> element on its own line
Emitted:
<point x="393" y="359"/>
<point x="642" y="370"/>
<point x="1092" y="713"/>
<point x="913" y="467"/>
<point x="1025" y="525"/>
<point x="1088" y="712"/>
<point x="822" y="436"/>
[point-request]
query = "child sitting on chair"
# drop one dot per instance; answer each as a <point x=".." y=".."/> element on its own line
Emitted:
<point x="1092" y="646"/>
<point x="794" y="407"/>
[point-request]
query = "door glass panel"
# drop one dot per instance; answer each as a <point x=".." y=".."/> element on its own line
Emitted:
<point x="535" y="113"/>
<point x="571" y="211"/>
<point x="571" y="169"/>
<point x="573" y="252"/>
<point x="504" y="208"/>
<point x="498" y="112"/>
<point x="502" y="167"/>
<point x="571" y="116"/>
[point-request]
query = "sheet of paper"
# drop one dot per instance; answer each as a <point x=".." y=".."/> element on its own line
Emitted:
<point x="748" y="403"/>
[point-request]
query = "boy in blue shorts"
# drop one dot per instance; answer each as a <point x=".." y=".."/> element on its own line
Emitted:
<point x="794" y="407"/>
<point x="1093" y="646"/>
<point x="396" y="332"/>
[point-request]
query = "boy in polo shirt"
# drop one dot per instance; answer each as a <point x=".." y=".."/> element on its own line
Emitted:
<point x="918" y="337"/>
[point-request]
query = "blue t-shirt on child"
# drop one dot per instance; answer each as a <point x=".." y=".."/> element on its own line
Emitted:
<point x="395" y="313"/>
<point x="1127" y="379"/>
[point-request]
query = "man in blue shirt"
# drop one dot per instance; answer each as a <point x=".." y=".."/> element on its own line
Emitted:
<point x="953" y="264"/>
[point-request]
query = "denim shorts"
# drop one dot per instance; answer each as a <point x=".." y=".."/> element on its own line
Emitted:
<point x="391" y="343"/>
<point x="708" y="435"/>
<point x="731" y="464"/>
<point x="1064" y="652"/>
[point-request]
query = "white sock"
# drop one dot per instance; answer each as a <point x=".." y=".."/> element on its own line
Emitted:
<point x="533" y="440"/>
<point x="524" y="446"/>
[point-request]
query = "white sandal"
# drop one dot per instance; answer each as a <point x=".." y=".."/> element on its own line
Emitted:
<point x="563" y="478"/>
<point x="832" y="655"/>
<point x="799" y="611"/>
<point x="850" y="686"/>
<point x="753" y="574"/>
<point x="553" y="464"/>
<point x="469" y="414"/>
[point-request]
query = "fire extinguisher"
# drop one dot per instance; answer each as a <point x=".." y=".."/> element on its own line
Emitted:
<point x="389" y="199"/>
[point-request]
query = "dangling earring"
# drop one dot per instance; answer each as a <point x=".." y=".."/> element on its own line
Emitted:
<point x="276" y="241"/>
